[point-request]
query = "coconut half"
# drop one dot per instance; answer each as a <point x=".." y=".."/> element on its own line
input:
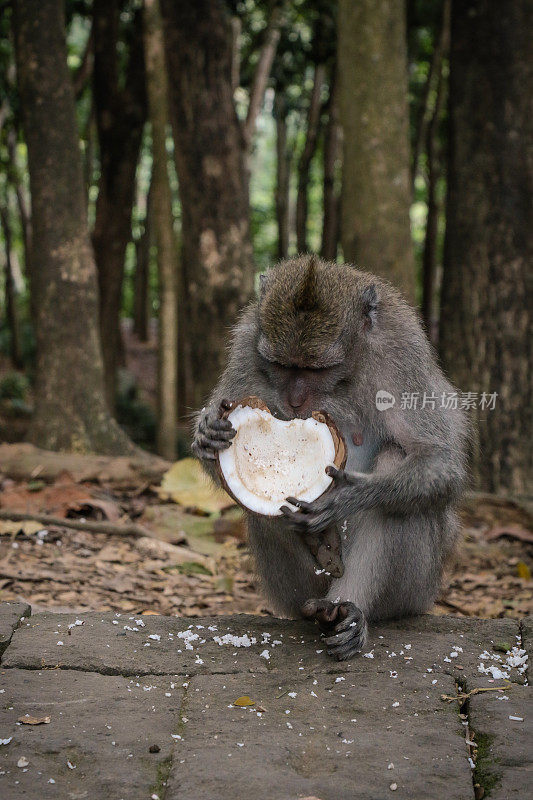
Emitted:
<point x="272" y="459"/>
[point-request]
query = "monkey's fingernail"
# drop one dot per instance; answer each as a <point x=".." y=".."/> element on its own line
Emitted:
<point x="293" y="501"/>
<point x="225" y="404"/>
<point x="331" y="471"/>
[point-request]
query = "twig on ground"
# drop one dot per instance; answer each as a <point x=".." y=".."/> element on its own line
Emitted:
<point x="77" y="524"/>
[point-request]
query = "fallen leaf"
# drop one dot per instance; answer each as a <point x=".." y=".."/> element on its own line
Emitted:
<point x="244" y="701"/>
<point x="27" y="719"/>
<point x="28" y="527"/>
<point x="187" y="484"/>
<point x="523" y="571"/>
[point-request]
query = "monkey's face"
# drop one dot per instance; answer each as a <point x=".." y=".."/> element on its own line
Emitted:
<point x="301" y="390"/>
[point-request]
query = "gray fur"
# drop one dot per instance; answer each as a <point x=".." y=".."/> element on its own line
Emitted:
<point x="393" y="506"/>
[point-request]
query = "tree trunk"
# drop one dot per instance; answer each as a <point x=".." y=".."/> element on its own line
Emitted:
<point x="120" y="116"/>
<point x="70" y="409"/>
<point x="373" y="104"/>
<point x="434" y="169"/>
<point x="332" y="155"/>
<point x="283" y="176"/>
<point x="141" y="291"/>
<point x="485" y="336"/>
<point x="167" y="260"/>
<point x="313" y="123"/>
<point x="10" y="295"/>
<point x="217" y="265"/>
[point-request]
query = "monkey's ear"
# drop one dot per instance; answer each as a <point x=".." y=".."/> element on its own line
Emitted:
<point x="262" y="285"/>
<point x="370" y="305"/>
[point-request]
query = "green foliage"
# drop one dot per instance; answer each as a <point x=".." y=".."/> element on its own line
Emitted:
<point x="14" y="386"/>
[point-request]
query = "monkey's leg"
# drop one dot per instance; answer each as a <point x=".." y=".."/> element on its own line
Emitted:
<point x="392" y="569"/>
<point x="285" y="566"/>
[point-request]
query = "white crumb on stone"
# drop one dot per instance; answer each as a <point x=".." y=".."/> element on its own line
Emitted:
<point x="240" y="744"/>
<point x="338" y="680"/>
<point x="188" y="636"/>
<point x="393" y="787"/>
<point x="114" y="621"/>
<point x="390" y="766"/>
<point x="265" y="654"/>
<point x="292" y="694"/>
<point x="6" y="741"/>
<point x="370" y="654"/>
<point x="516" y="719"/>
<point x="175" y="735"/>
<point x="313" y="694"/>
<point x="51" y="780"/>
<point x="470" y="761"/>
<point x="76" y="623"/>
<point x="236" y="641"/>
<point x="393" y="673"/>
<point x="395" y="704"/>
<point x="287" y="711"/>
<point x="288" y="724"/>
<point x="60" y="642"/>
<point x="70" y="765"/>
<point x="155" y="636"/>
<point x="434" y="681"/>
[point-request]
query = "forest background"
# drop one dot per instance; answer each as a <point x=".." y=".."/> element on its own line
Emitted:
<point x="155" y="157"/>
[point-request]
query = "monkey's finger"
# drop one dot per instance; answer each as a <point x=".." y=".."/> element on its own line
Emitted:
<point x="214" y="431"/>
<point x="301" y="504"/>
<point x="219" y="424"/>
<point x="339" y="638"/>
<point x="212" y="444"/>
<point x="296" y="517"/>
<point x="338" y="475"/>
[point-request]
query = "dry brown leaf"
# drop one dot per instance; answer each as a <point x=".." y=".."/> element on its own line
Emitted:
<point x="27" y="719"/>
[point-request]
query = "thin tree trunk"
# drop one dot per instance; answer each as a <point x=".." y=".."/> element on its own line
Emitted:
<point x="70" y="409"/>
<point x="313" y="123"/>
<point x="167" y="260"/>
<point x="435" y="69"/>
<point x="141" y="304"/>
<point x="23" y="209"/>
<point x="120" y="116"/>
<point x="10" y="294"/>
<point x="485" y="336"/>
<point x="332" y="155"/>
<point x="283" y="174"/>
<point x="429" y="258"/>
<point x="217" y="266"/>
<point x="373" y="105"/>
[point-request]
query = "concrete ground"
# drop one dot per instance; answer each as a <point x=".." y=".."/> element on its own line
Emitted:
<point x="106" y="706"/>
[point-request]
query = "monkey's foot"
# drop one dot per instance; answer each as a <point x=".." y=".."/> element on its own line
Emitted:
<point x="343" y="624"/>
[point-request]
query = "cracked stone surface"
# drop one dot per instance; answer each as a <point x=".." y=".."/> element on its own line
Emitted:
<point x="116" y="686"/>
<point x="10" y="616"/>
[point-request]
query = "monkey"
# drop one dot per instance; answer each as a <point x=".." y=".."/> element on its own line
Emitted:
<point x="331" y="337"/>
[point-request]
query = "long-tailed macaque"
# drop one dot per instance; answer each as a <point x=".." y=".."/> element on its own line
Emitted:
<point x="329" y="337"/>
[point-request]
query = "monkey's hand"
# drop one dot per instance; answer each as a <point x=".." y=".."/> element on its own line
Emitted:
<point x="213" y="434"/>
<point x="346" y="495"/>
<point x="342" y="623"/>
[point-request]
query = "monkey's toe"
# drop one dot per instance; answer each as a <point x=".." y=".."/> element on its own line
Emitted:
<point x="322" y="610"/>
<point x="349" y="634"/>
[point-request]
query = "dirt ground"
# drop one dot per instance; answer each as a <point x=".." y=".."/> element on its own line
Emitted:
<point x="194" y="561"/>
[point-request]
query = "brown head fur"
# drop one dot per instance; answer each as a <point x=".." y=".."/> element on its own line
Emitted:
<point x="303" y="309"/>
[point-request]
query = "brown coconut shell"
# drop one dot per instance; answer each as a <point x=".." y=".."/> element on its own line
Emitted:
<point x="341" y="452"/>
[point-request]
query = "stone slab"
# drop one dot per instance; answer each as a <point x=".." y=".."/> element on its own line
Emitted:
<point x="10" y="616"/>
<point x="343" y="739"/>
<point x="122" y="644"/>
<point x="504" y="764"/>
<point x="102" y="726"/>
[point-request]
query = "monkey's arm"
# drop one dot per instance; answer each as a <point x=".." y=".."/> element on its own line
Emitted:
<point x="415" y="474"/>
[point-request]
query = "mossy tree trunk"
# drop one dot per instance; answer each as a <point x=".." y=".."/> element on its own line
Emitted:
<point x="485" y="330"/>
<point x="373" y="104"/>
<point x="70" y="408"/>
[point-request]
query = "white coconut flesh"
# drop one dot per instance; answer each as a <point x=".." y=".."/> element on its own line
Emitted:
<point x="270" y="459"/>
